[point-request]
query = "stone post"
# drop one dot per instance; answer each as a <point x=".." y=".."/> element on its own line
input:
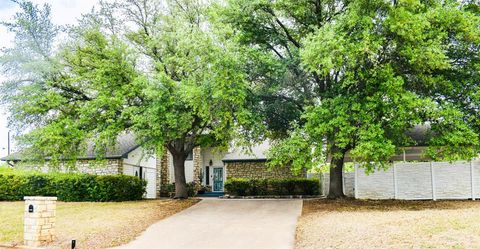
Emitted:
<point x="39" y="221"/>
<point x="162" y="172"/>
<point x="197" y="164"/>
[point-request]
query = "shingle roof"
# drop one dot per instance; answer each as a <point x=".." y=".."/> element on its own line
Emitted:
<point x="126" y="143"/>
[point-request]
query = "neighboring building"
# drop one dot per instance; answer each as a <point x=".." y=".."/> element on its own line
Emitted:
<point x="208" y="166"/>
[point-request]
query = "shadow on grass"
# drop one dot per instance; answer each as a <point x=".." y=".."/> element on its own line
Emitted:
<point x="350" y="204"/>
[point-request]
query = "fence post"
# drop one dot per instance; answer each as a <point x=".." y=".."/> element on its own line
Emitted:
<point x="355" y="192"/>
<point x="472" y="183"/>
<point x="433" y="181"/>
<point x="395" y="189"/>
<point x="322" y="182"/>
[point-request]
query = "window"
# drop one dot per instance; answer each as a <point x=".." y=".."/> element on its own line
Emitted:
<point x="207" y="176"/>
<point x="190" y="156"/>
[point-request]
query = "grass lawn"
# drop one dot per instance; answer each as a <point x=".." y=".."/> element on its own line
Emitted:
<point x="93" y="224"/>
<point x="389" y="224"/>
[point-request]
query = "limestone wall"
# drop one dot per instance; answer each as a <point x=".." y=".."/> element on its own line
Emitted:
<point x="197" y="164"/>
<point x="163" y="168"/>
<point x="257" y="170"/>
<point x="109" y="167"/>
<point x="104" y="167"/>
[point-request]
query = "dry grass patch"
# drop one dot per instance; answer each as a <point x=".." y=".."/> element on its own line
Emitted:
<point x="389" y="224"/>
<point x="93" y="224"/>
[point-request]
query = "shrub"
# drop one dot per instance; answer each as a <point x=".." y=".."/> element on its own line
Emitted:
<point x="238" y="186"/>
<point x="14" y="185"/>
<point x="252" y="187"/>
<point x="192" y="189"/>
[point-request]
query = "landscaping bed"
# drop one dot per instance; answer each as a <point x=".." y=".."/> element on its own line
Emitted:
<point x="93" y="224"/>
<point x="388" y="224"/>
<point x="272" y="187"/>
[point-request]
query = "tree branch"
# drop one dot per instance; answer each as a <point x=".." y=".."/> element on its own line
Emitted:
<point x="284" y="28"/>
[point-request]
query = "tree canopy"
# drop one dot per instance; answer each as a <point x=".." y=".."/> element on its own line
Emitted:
<point x="169" y="79"/>
<point x="389" y="67"/>
<point x="272" y="34"/>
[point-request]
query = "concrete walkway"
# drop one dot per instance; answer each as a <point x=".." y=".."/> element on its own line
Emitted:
<point x="229" y="224"/>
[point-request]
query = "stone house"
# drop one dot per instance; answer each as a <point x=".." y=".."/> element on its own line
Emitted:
<point x="212" y="167"/>
<point x="207" y="166"/>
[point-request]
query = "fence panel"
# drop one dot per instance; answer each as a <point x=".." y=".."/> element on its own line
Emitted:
<point x="414" y="181"/>
<point x="376" y="185"/>
<point x="452" y="181"/>
<point x="421" y="180"/>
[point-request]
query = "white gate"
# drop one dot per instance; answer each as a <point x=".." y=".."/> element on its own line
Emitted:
<point x="150" y="176"/>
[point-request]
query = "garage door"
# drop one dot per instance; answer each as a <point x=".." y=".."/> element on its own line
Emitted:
<point x="151" y="178"/>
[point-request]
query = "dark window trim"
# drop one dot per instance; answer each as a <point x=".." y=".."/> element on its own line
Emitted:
<point x="190" y="156"/>
<point x="207" y="175"/>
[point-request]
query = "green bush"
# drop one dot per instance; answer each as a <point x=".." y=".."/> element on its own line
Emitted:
<point x="238" y="186"/>
<point x="14" y="185"/>
<point x="253" y="187"/>
<point x="192" y="189"/>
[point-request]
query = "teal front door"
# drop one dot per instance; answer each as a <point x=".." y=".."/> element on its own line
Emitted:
<point x="217" y="179"/>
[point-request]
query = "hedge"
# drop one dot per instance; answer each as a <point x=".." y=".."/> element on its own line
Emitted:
<point x="252" y="187"/>
<point x="14" y="185"/>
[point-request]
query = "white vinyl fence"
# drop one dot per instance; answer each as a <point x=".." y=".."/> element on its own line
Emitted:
<point x="420" y="181"/>
<point x="348" y="183"/>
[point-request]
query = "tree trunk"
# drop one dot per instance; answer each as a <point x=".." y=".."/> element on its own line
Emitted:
<point x="179" y="171"/>
<point x="335" y="190"/>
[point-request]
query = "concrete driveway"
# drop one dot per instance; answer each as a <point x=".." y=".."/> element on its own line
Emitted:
<point x="229" y="224"/>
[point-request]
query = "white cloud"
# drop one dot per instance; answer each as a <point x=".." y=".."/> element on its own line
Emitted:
<point x="63" y="12"/>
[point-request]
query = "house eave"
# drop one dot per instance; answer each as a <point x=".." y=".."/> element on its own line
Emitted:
<point x="6" y="159"/>
<point x="244" y="160"/>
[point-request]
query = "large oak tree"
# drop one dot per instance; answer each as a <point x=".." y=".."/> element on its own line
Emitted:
<point x="164" y="75"/>
<point x="388" y="67"/>
<point x="338" y="77"/>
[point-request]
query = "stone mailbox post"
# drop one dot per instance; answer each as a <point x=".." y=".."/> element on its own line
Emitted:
<point x="39" y="222"/>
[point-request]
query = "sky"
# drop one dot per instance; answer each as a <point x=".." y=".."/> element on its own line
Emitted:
<point x="63" y="12"/>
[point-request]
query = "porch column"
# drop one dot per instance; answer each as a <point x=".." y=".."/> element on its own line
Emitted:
<point x="162" y="172"/>
<point x="197" y="164"/>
